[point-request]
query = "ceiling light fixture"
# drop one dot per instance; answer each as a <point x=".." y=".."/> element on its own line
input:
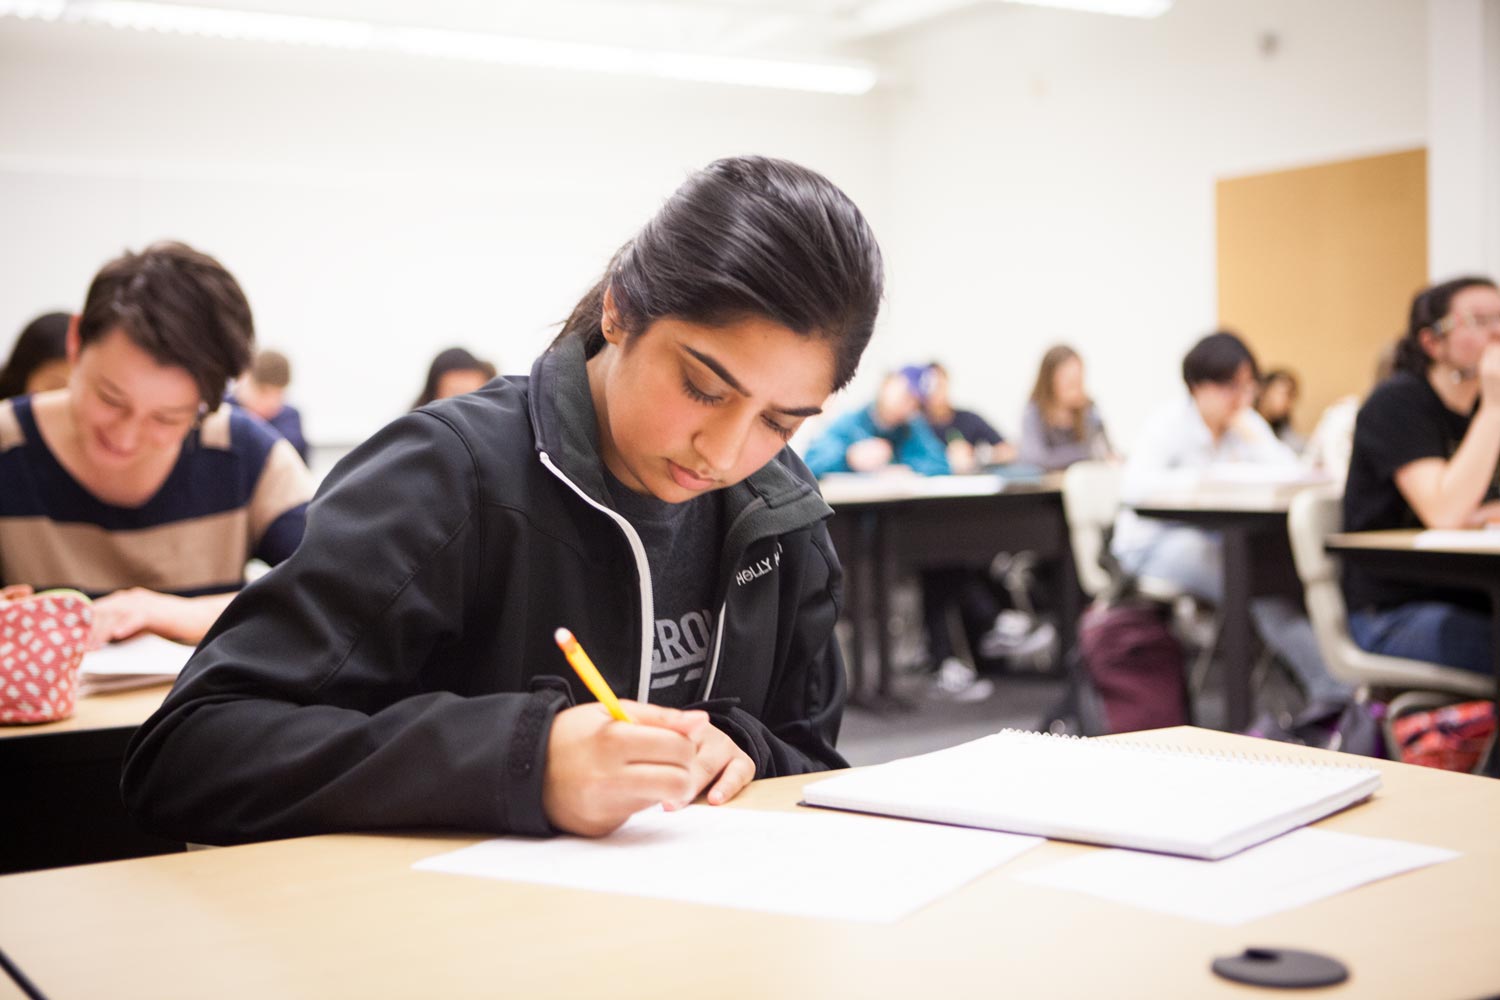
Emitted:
<point x="242" y="25"/>
<point x="1124" y="8"/>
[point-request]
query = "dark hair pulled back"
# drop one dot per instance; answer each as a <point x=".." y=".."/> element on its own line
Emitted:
<point x="747" y="236"/>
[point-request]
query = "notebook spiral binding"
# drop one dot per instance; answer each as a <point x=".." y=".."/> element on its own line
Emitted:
<point x="1178" y="750"/>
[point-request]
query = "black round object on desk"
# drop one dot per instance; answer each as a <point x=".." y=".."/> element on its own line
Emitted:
<point x="1284" y="968"/>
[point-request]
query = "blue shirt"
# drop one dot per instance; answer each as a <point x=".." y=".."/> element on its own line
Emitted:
<point x="913" y="444"/>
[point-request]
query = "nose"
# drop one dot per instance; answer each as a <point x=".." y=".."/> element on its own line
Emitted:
<point x="127" y="433"/>
<point x="720" y="441"/>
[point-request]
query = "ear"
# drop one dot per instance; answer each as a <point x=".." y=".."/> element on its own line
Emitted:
<point x="614" y="333"/>
<point x="72" y="341"/>
<point x="1429" y="339"/>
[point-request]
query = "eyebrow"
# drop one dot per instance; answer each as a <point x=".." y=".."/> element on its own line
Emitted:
<point x="713" y="365"/>
<point x="185" y="408"/>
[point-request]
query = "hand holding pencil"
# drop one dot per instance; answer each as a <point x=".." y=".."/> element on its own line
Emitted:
<point x="599" y="772"/>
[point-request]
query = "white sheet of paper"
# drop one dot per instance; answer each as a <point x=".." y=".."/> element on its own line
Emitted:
<point x="1483" y="539"/>
<point x="142" y="655"/>
<point x="813" y="863"/>
<point x="1292" y="870"/>
<point x="870" y="487"/>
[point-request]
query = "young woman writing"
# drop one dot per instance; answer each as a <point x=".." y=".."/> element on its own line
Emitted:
<point x="401" y="670"/>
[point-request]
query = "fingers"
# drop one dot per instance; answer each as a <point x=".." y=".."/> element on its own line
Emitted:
<point x="15" y="592"/>
<point x="114" y="621"/>
<point x="638" y="744"/>
<point x="721" y="766"/>
<point x="600" y="771"/>
<point x="688" y="724"/>
<point x="736" y="775"/>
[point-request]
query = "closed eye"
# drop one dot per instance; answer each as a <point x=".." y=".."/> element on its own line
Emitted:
<point x="782" y="431"/>
<point x="697" y="395"/>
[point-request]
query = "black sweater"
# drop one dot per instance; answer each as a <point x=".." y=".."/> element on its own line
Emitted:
<point x="399" y="670"/>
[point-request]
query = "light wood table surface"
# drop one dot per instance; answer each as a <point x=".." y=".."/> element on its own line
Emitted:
<point x="116" y="710"/>
<point x="345" y="916"/>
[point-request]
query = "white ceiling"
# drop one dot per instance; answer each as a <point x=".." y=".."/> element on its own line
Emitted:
<point x="737" y="27"/>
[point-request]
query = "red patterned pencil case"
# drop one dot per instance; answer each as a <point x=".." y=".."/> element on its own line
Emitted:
<point x="42" y="640"/>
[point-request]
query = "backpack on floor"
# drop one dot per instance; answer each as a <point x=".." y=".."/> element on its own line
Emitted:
<point x="1134" y="664"/>
<point x="1345" y="726"/>
<point x="1454" y="737"/>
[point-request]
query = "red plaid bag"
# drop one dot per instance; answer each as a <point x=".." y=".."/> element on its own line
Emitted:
<point x="42" y="640"/>
<point x="1452" y="737"/>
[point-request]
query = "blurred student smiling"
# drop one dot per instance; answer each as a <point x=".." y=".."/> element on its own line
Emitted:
<point x="127" y="413"/>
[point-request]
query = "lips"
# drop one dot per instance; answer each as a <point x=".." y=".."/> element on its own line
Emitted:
<point x="689" y="480"/>
<point x="110" y="450"/>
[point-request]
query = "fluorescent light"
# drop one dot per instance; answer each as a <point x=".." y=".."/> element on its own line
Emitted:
<point x="1124" y="8"/>
<point x="215" y="22"/>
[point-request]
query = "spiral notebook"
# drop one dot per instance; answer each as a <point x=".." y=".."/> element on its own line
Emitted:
<point x="1148" y="797"/>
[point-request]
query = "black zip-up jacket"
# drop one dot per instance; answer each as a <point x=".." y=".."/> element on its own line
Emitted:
<point x="399" y="669"/>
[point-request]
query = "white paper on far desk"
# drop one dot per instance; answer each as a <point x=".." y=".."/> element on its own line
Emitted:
<point x="145" y="659"/>
<point x="802" y="864"/>
<point x="1295" y="869"/>
<point x="1482" y="539"/>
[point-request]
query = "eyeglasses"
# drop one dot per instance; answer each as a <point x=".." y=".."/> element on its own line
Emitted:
<point x="1477" y="321"/>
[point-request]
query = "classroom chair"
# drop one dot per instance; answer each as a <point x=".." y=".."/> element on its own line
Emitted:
<point x="1312" y="517"/>
<point x="1091" y="499"/>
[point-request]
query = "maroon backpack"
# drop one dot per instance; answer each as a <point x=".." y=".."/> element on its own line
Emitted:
<point x="1135" y="664"/>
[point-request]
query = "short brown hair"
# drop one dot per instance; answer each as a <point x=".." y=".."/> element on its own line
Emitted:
<point x="178" y="305"/>
<point x="271" y="368"/>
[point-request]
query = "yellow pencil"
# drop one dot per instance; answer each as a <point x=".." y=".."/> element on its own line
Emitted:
<point x="589" y="674"/>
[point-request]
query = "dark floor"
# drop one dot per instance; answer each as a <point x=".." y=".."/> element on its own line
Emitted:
<point x="922" y="722"/>
<point x="928" y="723"/>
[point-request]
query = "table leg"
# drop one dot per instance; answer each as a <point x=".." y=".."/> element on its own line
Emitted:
<point x="1069" y="604"/>
<point x="1236" y="627"/>
<point x="1492" y="766"/>
<point x="882" y="602"/>
<point x="857" y="603"/>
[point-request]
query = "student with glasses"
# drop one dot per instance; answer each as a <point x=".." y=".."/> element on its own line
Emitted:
<point x="1426" y="447"/>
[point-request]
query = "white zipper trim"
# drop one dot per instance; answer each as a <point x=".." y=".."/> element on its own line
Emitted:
<point x="713" y="667"/>
<point x="643" y="573"/>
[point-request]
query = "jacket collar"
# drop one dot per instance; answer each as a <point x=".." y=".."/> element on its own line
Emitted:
<point x="567" y="431"/>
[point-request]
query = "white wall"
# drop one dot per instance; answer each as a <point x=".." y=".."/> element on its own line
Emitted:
<point x="1033" y="175"/>
<point x="1463" y="161"/>
<point x="376" y="209"/>
<point x="1052" y="175"/>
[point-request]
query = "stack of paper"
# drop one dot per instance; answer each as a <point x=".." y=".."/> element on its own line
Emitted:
<point x="1119" y="794"/>
<point x="138" y="662"/>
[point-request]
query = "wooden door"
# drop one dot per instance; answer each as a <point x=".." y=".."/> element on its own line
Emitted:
<point x="1317" y="267"/>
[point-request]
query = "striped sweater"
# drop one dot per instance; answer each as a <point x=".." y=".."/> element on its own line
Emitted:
<point x="237" y="491"/>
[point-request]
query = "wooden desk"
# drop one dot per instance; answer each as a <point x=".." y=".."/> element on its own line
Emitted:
<point x="346" y="916"/>
<point x="887" y="525"/>
<point x="62" y="785"/>
<point x="1257" y="559"/>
